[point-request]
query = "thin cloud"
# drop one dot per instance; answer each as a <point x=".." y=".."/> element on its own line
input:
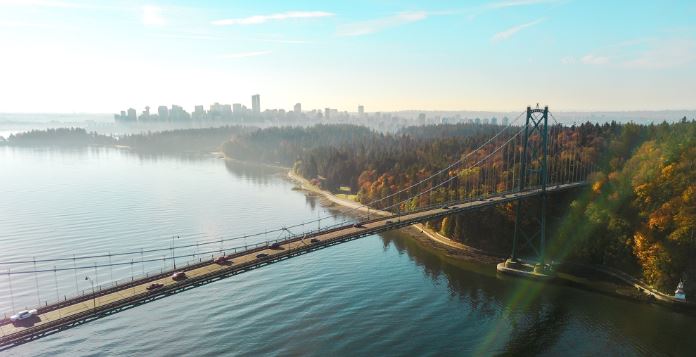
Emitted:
<point x="283" y="41"/>
<point x="16" y="24"/>
<point x="372" y="26"/>
<point x="41" y="3"/>
<point x="666" y="54"/>
<point x="260" y="19"/>
<point x="152" y="16"/>
<point x="594" y="60"/>
<point x="244" y="54"/>
<point x="514" y="3"/>
<point x="187" y="36"/>
<point x="651" y="54"/>
<point x="502" y="5"/>
<point x="568" y="60"/>
<point x="504" y="35"/>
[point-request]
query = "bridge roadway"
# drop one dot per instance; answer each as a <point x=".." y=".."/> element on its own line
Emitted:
<point x="72" y="312"/>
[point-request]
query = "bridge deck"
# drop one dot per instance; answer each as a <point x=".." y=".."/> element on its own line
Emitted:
<point x="58" y="317"/>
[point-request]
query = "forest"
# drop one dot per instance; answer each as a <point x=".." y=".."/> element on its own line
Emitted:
<point x="162" y="142"/>
<point x="637" y="214"/>
<point x="61" y="137"/>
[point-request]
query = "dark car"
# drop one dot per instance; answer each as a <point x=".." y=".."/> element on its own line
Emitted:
<point x="180" y="275"/>
<point x="314" y="240"/>
<point x="222" y="260"/>
<point x="445" y="207"/>
<point x="276" y="246"/>
<point x="358" y="225"/>
<point x="154" y="286"/>
<point x="388" y="222"/>
<point x="262" y="255"/>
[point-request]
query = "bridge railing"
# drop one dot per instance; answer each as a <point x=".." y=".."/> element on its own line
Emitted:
<point x="156" y="274"/>
<point x="152" y="275"/>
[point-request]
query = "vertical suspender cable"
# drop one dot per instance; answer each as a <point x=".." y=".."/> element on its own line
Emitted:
<point x="36" y="279"/>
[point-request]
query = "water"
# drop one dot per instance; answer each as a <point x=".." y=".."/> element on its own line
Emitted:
<point x="381" y="295"/>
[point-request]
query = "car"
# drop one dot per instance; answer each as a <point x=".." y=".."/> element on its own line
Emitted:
<point x="23" y="315"/>
<point x="276" y="246"/>
<point x="358" y="225"/>
<point x="262" y="255"/>
<point x="180" y="275"/>
<point x="388" y="222"/>
<point x="445" y="207"/>
<point x="314" y="240"/>
<point x="154" y="286"/>
<point x="222" y="260"/>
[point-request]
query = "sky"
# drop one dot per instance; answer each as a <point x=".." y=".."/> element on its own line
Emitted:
<point x="104" y="56"/>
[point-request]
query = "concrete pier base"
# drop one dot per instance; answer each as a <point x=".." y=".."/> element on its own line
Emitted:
<point x="525" y="269"/>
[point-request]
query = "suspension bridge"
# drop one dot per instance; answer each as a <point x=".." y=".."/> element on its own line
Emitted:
<point x="522" y="161"/>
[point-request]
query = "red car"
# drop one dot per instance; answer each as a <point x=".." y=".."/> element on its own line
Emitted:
<point x="180" y="275"/>
<point x="155" y="286"/>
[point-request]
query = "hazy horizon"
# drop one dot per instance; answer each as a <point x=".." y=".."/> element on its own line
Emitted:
<point x="77" y="56"/>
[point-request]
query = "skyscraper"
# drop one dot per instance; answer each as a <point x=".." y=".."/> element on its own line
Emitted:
<point x="256" y="103"/>
<point x="163" y="112"/>
<point x="298" y="108"/>
<point x="145" y="116"/>
<point x="132" y="115"/>
<point x="361" y="110"/>
<point x="199" y="113"/>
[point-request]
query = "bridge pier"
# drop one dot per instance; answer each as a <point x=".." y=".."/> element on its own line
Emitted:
<point x="533" y="160"/>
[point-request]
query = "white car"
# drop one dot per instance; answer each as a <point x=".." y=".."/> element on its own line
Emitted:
<point x="23" y="315"/>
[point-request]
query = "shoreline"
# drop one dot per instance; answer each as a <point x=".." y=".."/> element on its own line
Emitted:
<point x="418" y="232"/>
<point x="582" y="276"/>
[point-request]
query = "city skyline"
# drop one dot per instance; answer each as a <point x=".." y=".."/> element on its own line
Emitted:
<point x="78" y="56"/>
<point x="224" y="109"/>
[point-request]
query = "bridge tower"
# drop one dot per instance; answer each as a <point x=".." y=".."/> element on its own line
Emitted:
<point x="533" y="175"/>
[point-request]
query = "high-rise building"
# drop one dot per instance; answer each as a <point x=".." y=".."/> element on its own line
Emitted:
<point x="298" y="108"/>
<point x="494" y="121"/>
<point x="132" y="115"/>
<point x="506" y="121"/>
<point x="163" y="112"/>
<point x="145" y="115"/>
<point x="237" y="108"/>
<point x="327" y="113"/>
<point x="178" y="113"/>
<point x="226" y="111"/>
<point x="361" y="110"/>
<point x="256" y="103"/>
<point x="199" y="113"/>
<point x="216" y="108"/>
<point x="216" y="112"/>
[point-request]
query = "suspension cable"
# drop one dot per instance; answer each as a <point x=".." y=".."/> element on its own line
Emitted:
<point x="281" y="229"/>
